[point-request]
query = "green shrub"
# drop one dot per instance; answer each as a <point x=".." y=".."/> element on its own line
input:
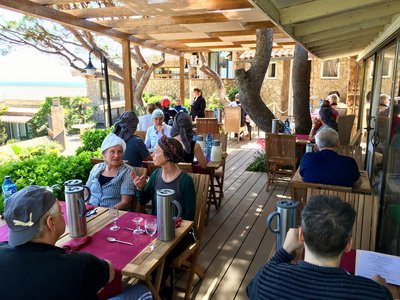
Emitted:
<point x="214" y="102"/>
<point x="76" y="110"/>
<point x="92" y="139"/>
<point x="47" y="170"/>
<point x="259" y="163"/>
<point x="232" y="92"/>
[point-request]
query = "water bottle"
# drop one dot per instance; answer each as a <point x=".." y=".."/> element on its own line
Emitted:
<point x="287" y="127"/>
<point x="209" y="143"/>
<point x="8" y="188"/>
<point x="200" y="141"/>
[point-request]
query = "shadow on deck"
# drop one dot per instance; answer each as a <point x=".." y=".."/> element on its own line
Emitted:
<point x="236" y="242"/>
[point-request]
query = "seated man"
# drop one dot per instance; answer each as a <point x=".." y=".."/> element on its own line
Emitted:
<point x="32" y="267"/>
<point x="158" y="128"/>
<point x="146" y="121"/>
<point x="178" y="105"/>
<point x="326" y="166"/>
<point x="325" y="233"/>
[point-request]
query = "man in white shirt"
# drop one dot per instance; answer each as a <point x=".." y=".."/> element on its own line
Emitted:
<point x="158" y="129"/>
<point x="146" y="120"/>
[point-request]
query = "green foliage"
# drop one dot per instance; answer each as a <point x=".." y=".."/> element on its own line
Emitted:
<point x="259" y="164"/>
<point x="92" y="139"/>
<point x="47" y="170"/>
<point x="150" y="98"/>
<point x="76" y="110"/>
<point x="214" y="102"/>
<point x="232" y="92"/>
<point x="3" y="133"/>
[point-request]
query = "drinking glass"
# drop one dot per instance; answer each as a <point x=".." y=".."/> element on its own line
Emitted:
<point x="151" y="228"/>
<point x="138" y="230"/>
<point x="113" y="215"/>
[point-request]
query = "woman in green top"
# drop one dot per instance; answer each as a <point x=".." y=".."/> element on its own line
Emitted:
<point x="167" y="153"/>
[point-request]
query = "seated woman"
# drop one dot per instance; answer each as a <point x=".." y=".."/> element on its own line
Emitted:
<point x="109" y="182"/>
<point x="182" y="130"/>
<point x="136" y="151"/>
<point x="166" y="155"/>
<point x="159" y="128"/>
<point x="326" y="120"/>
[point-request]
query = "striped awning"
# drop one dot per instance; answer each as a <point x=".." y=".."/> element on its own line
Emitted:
<point x="15" y="119"/>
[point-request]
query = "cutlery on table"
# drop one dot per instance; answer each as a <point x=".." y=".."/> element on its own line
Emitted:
<point x="114" y="240"/>
<point x="127" y="228"/>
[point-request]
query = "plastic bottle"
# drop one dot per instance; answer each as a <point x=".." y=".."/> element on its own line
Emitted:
<point x="200" y="141"/>
<point x="8" y="188"/>
<point x="208" y="146"/>
<point x="216" y="152"/>
<point x="287" y="127"/>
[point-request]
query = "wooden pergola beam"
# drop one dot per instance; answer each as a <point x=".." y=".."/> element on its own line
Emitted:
<point x="346" y="19"/>
<point x="31" y="8"/>
<point x="312" y="10"/>
<point x="103" y="12"/>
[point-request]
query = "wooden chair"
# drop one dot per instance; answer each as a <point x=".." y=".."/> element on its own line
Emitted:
<point x="232" y="121"/>
<point x="280" y="151"/>
<point x="356" y="139"/>
<point x="208" y="113"/>
<point x="298" y="188"/>
<point x="219" y="174"/>
<point x="187" y="167"/>
<point x="141" y="134"/>
<point x="354" y="152"/>
<point x="367" y="209"/>
<point x="345" y="126"/>
<point x="187" y="260"/>
<point x="207" y="125"/>
<point x="97" y="160"/>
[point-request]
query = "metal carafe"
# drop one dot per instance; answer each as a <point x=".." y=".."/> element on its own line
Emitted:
<point x="76" y="211"/>
<point x="216" y="151"/>
<point x="165" y="217"/>
<point x="77" y="182"/>
<point x="275" y="126"/>
<point x="285" y="219"/>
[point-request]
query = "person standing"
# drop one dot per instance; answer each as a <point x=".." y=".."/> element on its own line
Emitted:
<point x="198" y="104"/>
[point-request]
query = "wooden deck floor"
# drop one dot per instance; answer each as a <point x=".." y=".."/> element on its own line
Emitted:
<point x="235" y="242"/>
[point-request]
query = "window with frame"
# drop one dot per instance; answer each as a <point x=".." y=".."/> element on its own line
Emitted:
<point x="114" y="89"/>
<point x="271" y="71"/>
<point x="330" y="69"/>
<point x="387" y="67"/>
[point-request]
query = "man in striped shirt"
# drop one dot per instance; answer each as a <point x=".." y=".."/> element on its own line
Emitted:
<point x="325" y="234"/>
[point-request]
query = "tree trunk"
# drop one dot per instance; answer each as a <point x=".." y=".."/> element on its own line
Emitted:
<point x="143" y="74"/>
<point x="205" y="68"/>
<point x="301" y="90"/>
<point x="249" y="82"/>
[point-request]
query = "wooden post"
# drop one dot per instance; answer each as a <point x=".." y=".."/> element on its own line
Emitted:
<point x="127" y="71"/>
<point x="182" y="78"/>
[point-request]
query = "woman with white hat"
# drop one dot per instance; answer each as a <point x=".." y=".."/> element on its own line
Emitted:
<point x="109" y="182"/>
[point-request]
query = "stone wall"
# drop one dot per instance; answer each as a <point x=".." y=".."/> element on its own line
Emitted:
<point x="320" y="87"/>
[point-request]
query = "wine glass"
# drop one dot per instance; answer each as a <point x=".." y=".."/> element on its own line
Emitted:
<point x="138" y="230"/>
<point x="113" y="214"/>
<point x="151" y="228"/>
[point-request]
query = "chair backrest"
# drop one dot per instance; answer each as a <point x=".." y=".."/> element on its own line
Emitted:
<point x="208" y="113"/>
<point x="232" y="119"/>
<point x="187" y="167"/>
<point x="345" y="126"/>
<point x="354" y="152"/>
<point x="356" y="139"/>
<point x="97" y="160"/>
<point x="223" y="138"/>
<point x="201" y="185"/>
<point x="151" y="166"/>
<point x="207" y="125"/>
<point x="280" y="148"/>
<point x="135" y="206"/>
<point x="367" y="209"/>
<point x="141" y="134"/>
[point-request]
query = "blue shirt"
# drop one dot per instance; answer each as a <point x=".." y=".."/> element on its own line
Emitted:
<point x="328" y="167"/>
<point x="136" y="151"/>
<point x="179" y="108"/>
<point x="110" y="193"/>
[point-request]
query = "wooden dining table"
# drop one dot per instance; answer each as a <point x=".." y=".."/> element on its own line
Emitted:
<point x="142" y="265"/>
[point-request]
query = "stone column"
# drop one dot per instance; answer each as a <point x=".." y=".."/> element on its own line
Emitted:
<point x="56" y="128"/>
